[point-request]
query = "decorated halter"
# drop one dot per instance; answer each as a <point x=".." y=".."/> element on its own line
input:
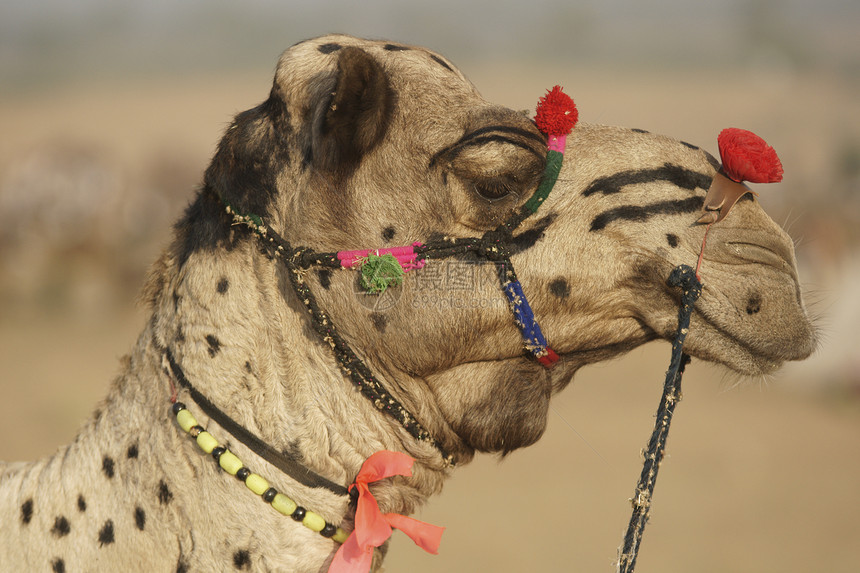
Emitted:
<point x="385" y="268"/>
<point x="745" y="157"/>
<point x="380" y="269"/>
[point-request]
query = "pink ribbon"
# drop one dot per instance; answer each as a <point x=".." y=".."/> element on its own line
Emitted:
<point x="372" y="527"/>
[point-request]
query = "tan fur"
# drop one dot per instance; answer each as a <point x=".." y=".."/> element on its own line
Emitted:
<point x="353" y="143"/>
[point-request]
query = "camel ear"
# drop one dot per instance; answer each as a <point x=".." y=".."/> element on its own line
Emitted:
<point x="357" y="115"/>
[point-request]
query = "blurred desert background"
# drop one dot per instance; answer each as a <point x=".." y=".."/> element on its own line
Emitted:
<point x="109" y="111"/>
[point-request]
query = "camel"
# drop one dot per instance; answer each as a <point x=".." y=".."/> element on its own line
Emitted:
<point x="366" y="145"/>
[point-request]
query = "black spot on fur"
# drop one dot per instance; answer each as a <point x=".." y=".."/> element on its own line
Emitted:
<point x="329" y="48"/>
<point x="58" y="565"/>
<point x="527" y="239"/>
<point x="643" y="213"/>
<point x="637" y="130"/>
<point x="441" y="62"/>
<point x="242" y="559"/>
<point x="27" y="511"/>
<point x="106" y="536"/>
<point x="325" y="278"/>
<point x="379" y="321"/>
<point x="176" y="299"/>
<point x="181" y="566"/>
<point x="559" y="288"/>
<point x="675" y="174"/>
<point x="132" y="452"/>
<point x="214" y="345"/>
<point x="293" y="451"/>
<point x="395" y="48"/>
<point x="165" y="496"/>
<point x="108" y="466"/>
<point x="754" y="304"/>
<point x="388" y="233"/>
<point x="248" y="368"/>
<point x="223" y="285"/>
<point x="139" y="518"/>
<point x="61" y="527"/>
<point x="690" y="145"/>
<point x="672" y="239"/>
<point x="180" y="334"/>
<point x="82" y="504"/>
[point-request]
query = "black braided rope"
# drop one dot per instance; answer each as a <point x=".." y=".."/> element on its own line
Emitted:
<point x="491" y="246"/>
<point x="350" y="364"/>
<point x="684" y="277"/>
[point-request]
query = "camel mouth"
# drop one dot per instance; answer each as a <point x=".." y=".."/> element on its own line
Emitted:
<point x="757" y="356"/>
<point x="751" y="316"/>
<point x="752" y="331"/>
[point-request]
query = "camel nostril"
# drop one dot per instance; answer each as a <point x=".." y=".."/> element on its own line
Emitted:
<point x="754" y="304"/>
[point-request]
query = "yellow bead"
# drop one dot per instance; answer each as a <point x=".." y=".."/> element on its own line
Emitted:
<point x="206" y="442"/>
<point x="186" y="420"/>
<point x="340" y="536"/>
<point x="257" y="484"/>
<point x="229" y="462"/>
<point x="284" y="504"/>
<point x="313" y="521"/>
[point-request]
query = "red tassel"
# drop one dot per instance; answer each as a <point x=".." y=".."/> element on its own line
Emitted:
<point x="556" y="113"/>
<point x="549" y="359"/>
<point x="746" y="157"/>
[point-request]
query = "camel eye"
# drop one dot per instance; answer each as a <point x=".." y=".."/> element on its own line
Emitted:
<point x="495" y="188"/>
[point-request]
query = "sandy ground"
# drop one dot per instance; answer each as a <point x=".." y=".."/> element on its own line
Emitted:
<point x="761" y="476"/>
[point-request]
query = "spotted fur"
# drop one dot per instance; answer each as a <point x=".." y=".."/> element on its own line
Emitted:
<point x="362" y="144"/>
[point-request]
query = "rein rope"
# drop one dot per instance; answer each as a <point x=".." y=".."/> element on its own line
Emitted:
<point x="745" y="157"/>
<point x="682" y="276"/>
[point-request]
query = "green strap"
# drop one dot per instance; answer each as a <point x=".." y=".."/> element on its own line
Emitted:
<point x="550" y="175"/>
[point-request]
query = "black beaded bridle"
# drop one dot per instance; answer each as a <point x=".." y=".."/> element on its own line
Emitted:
<point x="494" y="245"/>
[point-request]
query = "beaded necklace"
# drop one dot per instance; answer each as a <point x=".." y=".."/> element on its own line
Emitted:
<point x="231" y="464"/>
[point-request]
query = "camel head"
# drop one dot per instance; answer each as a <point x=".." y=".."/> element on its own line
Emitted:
<point x="365" y="144"/>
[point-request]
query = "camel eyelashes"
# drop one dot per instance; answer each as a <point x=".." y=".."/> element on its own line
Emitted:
<point x="495" y="188"/>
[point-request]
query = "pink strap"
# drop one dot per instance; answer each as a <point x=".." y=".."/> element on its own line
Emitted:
<point x="372" y="527"/>
<point x="557" y="143"/>
<point x="404" y="255"/>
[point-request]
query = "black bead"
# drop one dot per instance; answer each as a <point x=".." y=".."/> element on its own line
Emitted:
<point x="217" y="451"/>
<point x="269" y="494"/>
<point x="178" y="407"/>
<point x="299" y="513"/>
<point x="329" y="530"/>
<point x="243" y="474"/>
<point x="195" y="431"/>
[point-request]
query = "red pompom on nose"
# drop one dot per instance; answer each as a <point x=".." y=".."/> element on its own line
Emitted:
<point x="746" y="157"/>
<point x="556" y="113"/>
